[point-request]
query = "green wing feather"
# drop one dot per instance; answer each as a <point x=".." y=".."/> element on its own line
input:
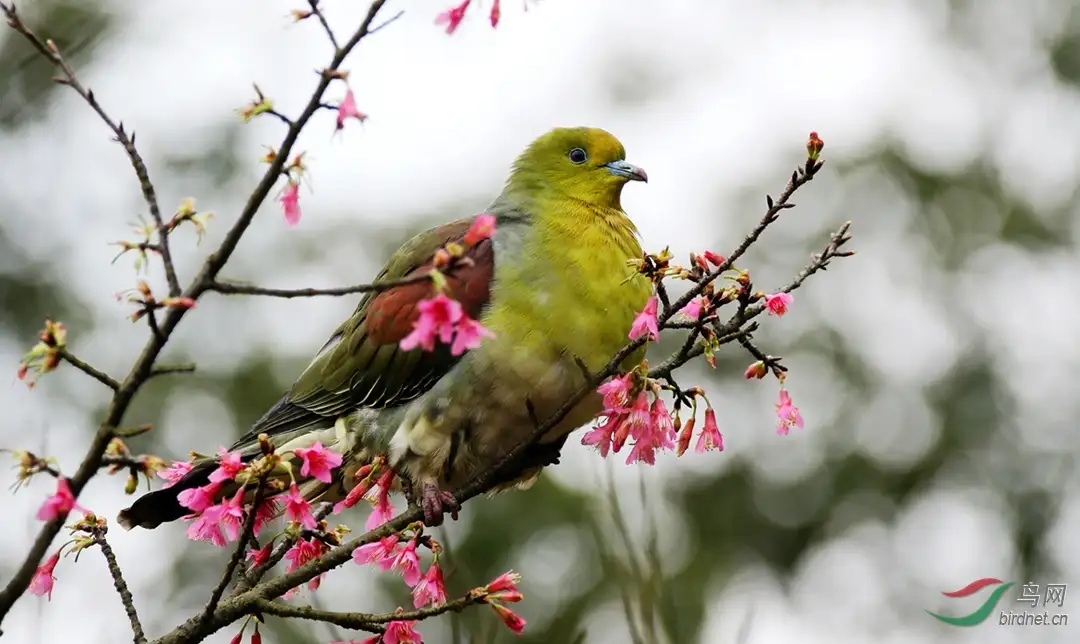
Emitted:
<point x="362" y="365"/>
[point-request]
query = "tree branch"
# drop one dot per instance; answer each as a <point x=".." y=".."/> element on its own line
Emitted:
<point x="89" y="370"/>
<point x="121" y="586"/>
<point x="166" y="369"/>
<point x="316" y="11"/>
<point x="364" y="621"/>
<point x="232" y="288"/>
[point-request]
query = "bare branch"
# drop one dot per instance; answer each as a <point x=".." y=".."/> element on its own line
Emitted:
<point x="316" y="11"/>
<point x="364" y="621"/>
<point x="166" y="369"/>
<point x="89" y="370"/>
<point x="121" y="586"/>
<point x="232" y="288"/>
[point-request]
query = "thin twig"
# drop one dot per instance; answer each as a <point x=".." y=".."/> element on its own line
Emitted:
<point x="89" y="370"/>
<point x="279" y="116"/>
<point x="232" y="288"/>
<point x="121" y="586"/>
<point x="316" y="10"/>
<point x="364" y="621"/>
<point x="166" y="369"/>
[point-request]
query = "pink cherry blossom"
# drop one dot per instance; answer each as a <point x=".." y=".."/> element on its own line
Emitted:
<point x="381" y="553"/>
<point x="483" y="227"/>
<point x="710" y="437"/>
<point x="506" y="581"/>
<point x="778" y="303"/>
<point x="298" y="509"/>
<point x="430" y="589"/>
<point x="504" y="588"/>
<point x="408" y="563"/>
<point x="495" y="14"/>
<point x="303" y="551"/>
<point x="616" y="392"/>
<point x="198" y="499"/>
<point x="231" y="515"/>
<point x="645" y="322"/>
<point x="317" y="461"/>
<point x="402" y="631"/>
<point x="207" y="527"/>
<point x="61" y="502"/>
<point x="374" y="639"/>
<point x="290" y="202"/>
<point x="347" y="109"/>
<point x="175" y="472"/>
<point x="787" y="414"/>
<point x="267" y="512"/>
<point x="453" y="16"/>
<point x="512" y="620"/>
<point x="260" y="556"/>
<point x="638" y="423"/>
<point x="692" y="310"/>
<point x="384" y="509"/>
<point x="602" y="435"/>
<point x="439" y="316"/>
<point x="655" y="435"/>
<point x="43" y="580"/>
<point x="468" y="336"/>
<point x="229" y="465"/>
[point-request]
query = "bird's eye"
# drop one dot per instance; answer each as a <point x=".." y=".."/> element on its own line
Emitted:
<point x="578" y="156"/>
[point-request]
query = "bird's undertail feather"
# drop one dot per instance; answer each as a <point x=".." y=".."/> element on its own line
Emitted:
<point x="162" y="506"/>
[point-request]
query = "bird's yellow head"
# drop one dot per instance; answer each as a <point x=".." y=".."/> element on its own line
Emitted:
<point x="584" y="163"/>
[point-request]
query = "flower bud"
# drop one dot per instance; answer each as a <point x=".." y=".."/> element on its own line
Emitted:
<point x="756" y="370"/>
<point x="714" y="259"/>
<point x="814" y="146"/>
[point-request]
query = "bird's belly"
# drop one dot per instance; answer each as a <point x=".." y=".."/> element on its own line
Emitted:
<point x="486" y="407"/>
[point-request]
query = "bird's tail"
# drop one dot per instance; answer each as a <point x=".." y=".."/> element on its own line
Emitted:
<point x="162" y="506"/>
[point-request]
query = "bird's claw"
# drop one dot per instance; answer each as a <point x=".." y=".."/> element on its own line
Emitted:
<point x="435" y="503"/>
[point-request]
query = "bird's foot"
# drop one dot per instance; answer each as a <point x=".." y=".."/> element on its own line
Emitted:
<point x="435" y="503"/>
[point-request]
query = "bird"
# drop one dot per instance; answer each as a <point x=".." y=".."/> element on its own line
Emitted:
<point x="554" y="287"/>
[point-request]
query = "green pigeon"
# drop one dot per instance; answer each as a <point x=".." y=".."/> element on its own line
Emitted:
<point x="552" y="287"/>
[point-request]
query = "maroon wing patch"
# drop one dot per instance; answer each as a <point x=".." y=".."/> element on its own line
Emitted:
<point x="392" y="313"/>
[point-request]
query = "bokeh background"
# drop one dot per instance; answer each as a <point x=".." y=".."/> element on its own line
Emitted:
<point x="935" y="369"/>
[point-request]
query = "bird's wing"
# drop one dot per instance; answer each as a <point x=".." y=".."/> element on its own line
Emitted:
<point x="362" y="365"/>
